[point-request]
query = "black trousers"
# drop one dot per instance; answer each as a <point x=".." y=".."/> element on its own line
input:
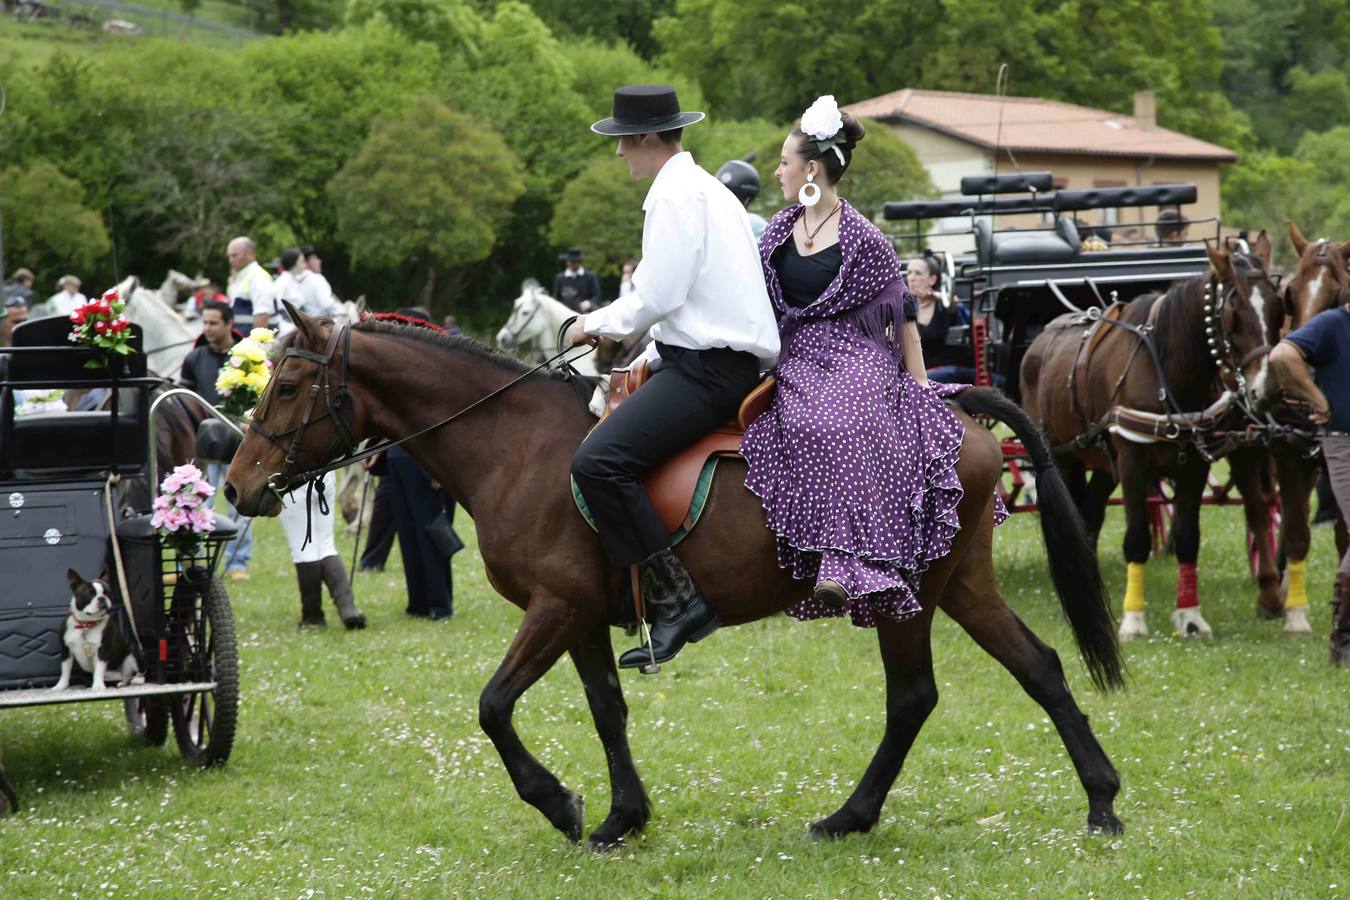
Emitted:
<point x="692" y="392"/>
<point x="381" y="538"/>
<point x="425" y="571"/>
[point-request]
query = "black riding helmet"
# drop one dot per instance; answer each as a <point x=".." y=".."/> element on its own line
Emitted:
<point x="740" y="178"/>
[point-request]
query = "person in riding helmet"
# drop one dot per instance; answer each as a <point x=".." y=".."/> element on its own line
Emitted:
<point x="742" y="180"/>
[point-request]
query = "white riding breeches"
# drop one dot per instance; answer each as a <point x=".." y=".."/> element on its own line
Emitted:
<point x="321" y="541"/>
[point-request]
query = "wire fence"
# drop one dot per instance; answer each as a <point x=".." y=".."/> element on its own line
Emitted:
<point x="128" y="19"/>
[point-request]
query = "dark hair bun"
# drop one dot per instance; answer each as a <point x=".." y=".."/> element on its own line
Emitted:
<point x="853" y="130"/>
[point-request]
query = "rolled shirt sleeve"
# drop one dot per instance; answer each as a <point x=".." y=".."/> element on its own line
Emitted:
<point x="672" y="252"/>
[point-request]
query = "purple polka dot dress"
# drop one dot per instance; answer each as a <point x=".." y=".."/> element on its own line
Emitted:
<point x="855" y="461"/>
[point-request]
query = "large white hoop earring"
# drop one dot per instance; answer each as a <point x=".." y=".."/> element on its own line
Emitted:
<point x="809" y="195"/>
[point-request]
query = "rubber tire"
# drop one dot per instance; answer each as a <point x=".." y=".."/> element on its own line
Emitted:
<point x="223" y="700"/>
<point x="147" y="719"/>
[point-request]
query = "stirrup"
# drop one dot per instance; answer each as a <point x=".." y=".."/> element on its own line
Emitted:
<point x="653" y="667"/>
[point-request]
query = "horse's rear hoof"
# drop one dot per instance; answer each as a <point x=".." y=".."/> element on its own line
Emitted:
<point x="1105" y="822"/>
<point x="570" y="818"/>
<point x="838" y="825"/>
<point x="1267" y="614"/>
<point x="614" y="831"/>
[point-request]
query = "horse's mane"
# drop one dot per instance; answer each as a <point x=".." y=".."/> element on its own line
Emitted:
<point x="462" y="343"/>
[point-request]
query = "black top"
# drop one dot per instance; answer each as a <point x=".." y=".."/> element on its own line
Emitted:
<point x="573" y="289"/>
<point x="804" y="278"/>
<point x="933" y="339"/>
<point x="200" y="370"/>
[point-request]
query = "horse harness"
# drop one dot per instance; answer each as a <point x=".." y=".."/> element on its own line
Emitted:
<point x="1174" y="424"/>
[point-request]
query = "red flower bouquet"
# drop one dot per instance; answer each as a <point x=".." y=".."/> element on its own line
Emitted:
<point x="103" y="325"/>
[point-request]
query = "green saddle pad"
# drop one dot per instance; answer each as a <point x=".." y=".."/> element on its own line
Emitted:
<point x="696" y="503"/>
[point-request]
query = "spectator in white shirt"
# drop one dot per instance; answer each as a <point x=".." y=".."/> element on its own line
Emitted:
<point x="321" y="301"/>
<point x="251" y="290"/>
<point x="700" y="289"/>
<point x="67" y="297"/>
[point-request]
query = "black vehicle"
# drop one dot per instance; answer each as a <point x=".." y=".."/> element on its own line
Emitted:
<point x="1016" y="280"/>
<point x="64" y="479"/>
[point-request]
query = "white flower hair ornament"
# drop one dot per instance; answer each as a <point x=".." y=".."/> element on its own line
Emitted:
<point x="824" y="124"/>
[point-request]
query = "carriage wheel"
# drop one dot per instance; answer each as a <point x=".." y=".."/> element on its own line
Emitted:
<point x="148" y="719"/>
<point x="203" y="724"/>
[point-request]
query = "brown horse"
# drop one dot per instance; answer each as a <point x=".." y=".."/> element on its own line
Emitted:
<point x="1208" y="333"/>
<point x="1321" y="281"/>
<point x="507" y="462"/>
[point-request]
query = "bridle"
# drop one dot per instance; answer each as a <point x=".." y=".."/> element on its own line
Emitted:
<point x="1220" y="337"/>
<point x="1339" y="275"/>
<point x="338" y="406"/>
<point x="515" y="335"/>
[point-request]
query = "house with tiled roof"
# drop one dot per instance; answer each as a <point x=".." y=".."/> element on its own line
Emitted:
<point x="958" y="134"/>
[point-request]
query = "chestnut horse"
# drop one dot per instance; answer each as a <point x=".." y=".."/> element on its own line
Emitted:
<point x="1321" y="281"/>
<point x="1209" y="332"/>
<point x="504" y="454"/>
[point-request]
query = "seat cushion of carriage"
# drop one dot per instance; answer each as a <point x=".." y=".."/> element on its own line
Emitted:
<point x="679" y="487"/>
<point x="1062" y="244"/>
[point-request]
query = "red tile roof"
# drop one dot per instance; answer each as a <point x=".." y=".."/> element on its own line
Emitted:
<point x="1033" y="125"/>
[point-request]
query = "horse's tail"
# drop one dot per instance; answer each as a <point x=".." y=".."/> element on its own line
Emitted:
<point x="1073" y="562"/>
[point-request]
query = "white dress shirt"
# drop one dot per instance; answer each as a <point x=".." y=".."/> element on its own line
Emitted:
<point x="699" y="284"/>
<point x="63" y="302"/>
<point x="254" y="285"/>
<point x="317" y="295"/>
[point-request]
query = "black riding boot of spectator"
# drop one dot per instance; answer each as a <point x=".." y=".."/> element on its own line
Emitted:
<point x="310" y="576"/>
<point x="678" y="611"/>
<point x="335" y="576"/>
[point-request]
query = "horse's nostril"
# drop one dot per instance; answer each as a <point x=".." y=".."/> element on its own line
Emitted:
<point x="231" y="495"/>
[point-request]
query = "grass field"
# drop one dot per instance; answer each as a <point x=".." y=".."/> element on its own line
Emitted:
<point x="360" y="769"/>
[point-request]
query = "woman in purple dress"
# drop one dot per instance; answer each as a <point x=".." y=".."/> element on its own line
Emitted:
<point x="855" y="461"/>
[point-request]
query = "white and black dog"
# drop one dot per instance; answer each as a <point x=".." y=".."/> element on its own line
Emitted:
<point x="93" y="636"/>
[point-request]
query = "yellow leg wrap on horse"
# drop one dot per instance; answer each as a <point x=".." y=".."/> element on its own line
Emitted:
<point x="1298" y="592"/>
<point x="1134" y="587"/>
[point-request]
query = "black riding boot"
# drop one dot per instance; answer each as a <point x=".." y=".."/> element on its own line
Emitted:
<point x="311" y="595"/>
<point x="335" y="576"/>
<point x="678" y="611"/>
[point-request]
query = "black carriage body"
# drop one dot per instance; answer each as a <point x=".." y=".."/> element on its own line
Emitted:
<point x="1016" y="281"/>
<point x="55" y="470"/>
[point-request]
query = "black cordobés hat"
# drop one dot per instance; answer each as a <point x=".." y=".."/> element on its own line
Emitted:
<point x="644" y="109"/>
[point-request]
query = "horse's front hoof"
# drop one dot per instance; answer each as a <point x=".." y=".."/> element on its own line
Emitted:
<point x="1105" y="822"/>
<point x="1296" y="621"/>
<point x="841" y="824"/>
<point x="1266" y="613"/>
<point x="1132" y="625"/>
<point x="1188" y="623"/>
<point x="571" y="817"/>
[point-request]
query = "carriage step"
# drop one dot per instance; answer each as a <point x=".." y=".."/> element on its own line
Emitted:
<point x="47" y="696"/>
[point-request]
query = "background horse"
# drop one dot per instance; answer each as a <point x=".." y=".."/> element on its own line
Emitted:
<point x="507" y="463"/>
<point x="1067" y="393"/>
<point x="535" y="321"/>
<point x="168" y="336"/>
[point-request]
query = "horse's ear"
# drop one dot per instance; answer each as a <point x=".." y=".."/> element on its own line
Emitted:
<point x="1262" y="248"/>
<point x="1296" y="238"/>
<point x="303" y="323"/>
<point x="361" y="307"/>
<point x="1218" y="261"/>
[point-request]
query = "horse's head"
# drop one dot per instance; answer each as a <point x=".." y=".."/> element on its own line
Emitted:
<point x="1321" y="280"/>
<point x="303" y="420"/>
<point x="526" y="324"/>
<point x="1243" y="316"/>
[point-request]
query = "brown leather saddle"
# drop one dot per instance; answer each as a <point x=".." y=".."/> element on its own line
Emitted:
<point x="671" y="486"/>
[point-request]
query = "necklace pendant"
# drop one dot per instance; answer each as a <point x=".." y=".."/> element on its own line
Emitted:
<point x="809" y="243"/>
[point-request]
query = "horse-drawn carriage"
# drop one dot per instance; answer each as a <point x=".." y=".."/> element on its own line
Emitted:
<point x="1019" y="284"/>
<point x="77" y="486"/>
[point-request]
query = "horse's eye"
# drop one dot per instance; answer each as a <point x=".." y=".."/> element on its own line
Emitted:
<point x="286" y="389"/>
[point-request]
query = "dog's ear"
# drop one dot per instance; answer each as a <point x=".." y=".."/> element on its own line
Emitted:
<point x="74" y="578"/>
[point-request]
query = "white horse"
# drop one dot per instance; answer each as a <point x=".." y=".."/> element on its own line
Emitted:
<point x="168" y="336"/>
<point x="535" y="320"/>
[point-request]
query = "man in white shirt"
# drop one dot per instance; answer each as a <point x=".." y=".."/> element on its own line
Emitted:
<point x="700" y="289"/>
<point x="67" y="297"/>
<point x="319" y="297"/>
<point x="251" y="291"/>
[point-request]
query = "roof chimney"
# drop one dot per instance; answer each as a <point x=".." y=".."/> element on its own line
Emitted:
<point x="1145" y="111"/>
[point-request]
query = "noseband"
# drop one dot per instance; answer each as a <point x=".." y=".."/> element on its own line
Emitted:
<point x="337" y="405"/>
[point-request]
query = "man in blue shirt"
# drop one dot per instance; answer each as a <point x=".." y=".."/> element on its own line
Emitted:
<point x="1324" y="344"/>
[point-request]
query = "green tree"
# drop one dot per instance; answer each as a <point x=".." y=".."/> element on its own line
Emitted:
<point x="47" y="226"/>
<point x="601" y="211"/>
<point x="433" y="187"/>
<point x="1262" y="190"/>
<point x="626" y="22"/>
<point x="445" y="23"/>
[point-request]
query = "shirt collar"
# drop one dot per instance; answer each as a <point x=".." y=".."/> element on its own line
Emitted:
<point x="568" y="273"/>
<point x="678" y="166"/>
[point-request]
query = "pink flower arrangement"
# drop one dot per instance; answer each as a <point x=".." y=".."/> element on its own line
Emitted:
<point x="182" y="511"/>
<point x="103" y="325"/>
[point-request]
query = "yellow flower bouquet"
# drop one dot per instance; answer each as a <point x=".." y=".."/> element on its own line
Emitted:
<point x="244" y="376"/>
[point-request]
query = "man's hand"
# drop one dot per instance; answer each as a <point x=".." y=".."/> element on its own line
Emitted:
<point x="576" y="335"/>
<point x="1320" y="416"/>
